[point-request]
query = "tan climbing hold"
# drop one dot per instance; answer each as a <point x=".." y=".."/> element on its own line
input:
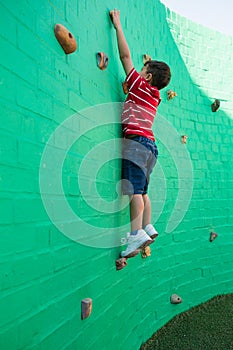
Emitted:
<point x="146" y="58"/>
<point x="86" y="307"/>
<point x="146" y="252"/>
<point x="184" y="138"/>
<point x="65" y="38"/>
<point x="171" y="94"/>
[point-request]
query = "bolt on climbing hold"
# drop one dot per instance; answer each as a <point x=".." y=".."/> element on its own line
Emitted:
<point x="86" y="308"/>
<point x="102" y="60"/>
<point x="213" y="235"/>
<point x="171" y="94"/>
<point x="215" y="105"/>
<point x="146" y="252"/>
<point x="125" y="87"/>
<point x="184" y="138"/>
<point x="146" y="58"/>
<point x="65" y="38"/>
<point x="175" y="299"/>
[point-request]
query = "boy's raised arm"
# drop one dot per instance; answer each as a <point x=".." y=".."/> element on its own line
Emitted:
<point x="123" y="48"/>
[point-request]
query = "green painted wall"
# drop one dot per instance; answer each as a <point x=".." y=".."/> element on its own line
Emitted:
<point x="44" y="274"/>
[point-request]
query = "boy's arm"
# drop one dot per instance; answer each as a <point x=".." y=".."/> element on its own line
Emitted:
<point x="123" y="48"/>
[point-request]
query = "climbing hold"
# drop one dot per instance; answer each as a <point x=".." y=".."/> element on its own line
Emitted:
<point x="65" y="38"/>
<point x="146" y="58"/>
<point x="145" y="252"/>
<point x="171" y="94"/>
<point x="184" y="138"/>
<point x="125" y="87"/>
<point x="102" y="60"/>
<point x="175" y="299"/>
<point x="215" y="105"/>
<point x="213" y="235"/>
<point x="121" y="263"/>
<point x="86" y="307"/>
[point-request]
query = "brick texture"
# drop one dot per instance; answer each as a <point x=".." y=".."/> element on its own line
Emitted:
<point x="44" y="274"/>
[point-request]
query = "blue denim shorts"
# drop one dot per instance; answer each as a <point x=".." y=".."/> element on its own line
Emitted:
<point x="139" y="156"/>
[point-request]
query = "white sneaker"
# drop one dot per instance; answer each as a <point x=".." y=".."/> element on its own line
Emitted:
<point x="136" y="243"/>
<point x="151" y="231"/>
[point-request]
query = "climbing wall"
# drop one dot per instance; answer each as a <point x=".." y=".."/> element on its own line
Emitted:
<point x="63" y="218"/>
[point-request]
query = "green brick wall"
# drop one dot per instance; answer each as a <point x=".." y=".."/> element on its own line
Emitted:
<point x="62" y="217"/>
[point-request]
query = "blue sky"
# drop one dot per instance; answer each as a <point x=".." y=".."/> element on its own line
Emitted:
<point x="217" y="15"/>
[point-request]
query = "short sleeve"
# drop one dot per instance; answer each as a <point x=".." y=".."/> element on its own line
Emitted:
<point x="133" y="79"/>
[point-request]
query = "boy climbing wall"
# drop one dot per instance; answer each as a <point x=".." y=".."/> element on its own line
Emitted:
<point x="139" y="153"/>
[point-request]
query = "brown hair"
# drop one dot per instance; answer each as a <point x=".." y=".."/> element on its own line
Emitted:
<point x="161" y="74"/>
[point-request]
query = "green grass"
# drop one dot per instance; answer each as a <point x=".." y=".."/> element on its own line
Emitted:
<point x="208" y="326"/>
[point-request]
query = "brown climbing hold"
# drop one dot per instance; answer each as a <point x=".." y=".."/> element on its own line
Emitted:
<point x="213" y="235"/>
<point x="175" y="299"/>
<point x="146" y="252"/>
<point x="215" y="105"/>
<point x="102" y="60"/>
<point x="125" y="87"/>
<point x="184" y="138"/>
<point x="65" y="38"/>
<point x="171" y="94"/>
<point x="146" y="58"/>
<point x="86" y="307"/>
<point x="121" y="263"/>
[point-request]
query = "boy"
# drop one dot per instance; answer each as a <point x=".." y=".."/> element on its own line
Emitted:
<point x="139" y="150"/>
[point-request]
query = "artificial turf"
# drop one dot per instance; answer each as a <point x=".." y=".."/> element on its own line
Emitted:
<point x="208" y="326"/>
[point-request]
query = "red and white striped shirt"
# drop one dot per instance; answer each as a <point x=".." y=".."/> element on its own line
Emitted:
<point x="140" y="106"/>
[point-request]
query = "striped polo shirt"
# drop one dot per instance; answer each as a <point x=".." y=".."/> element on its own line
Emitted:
<point x="140" y="106"/>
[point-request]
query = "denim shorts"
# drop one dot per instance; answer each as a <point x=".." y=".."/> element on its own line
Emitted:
<point x="139" y="156"/>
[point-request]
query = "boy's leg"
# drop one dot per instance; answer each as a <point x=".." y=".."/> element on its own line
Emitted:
<point x="138" y="238"/>
<point x="136" y="212"/>
<point x="134" y="171"/>
<point x="146" y="223"/>
<point x="147" y="210"/>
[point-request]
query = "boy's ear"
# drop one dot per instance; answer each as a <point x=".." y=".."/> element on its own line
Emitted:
<point x="149" y="77"/>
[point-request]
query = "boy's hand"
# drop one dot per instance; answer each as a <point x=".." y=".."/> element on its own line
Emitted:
<point x="122" y="44"/>
<point x="115" y="17"/>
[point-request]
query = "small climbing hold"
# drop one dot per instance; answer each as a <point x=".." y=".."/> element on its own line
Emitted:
<point x="213" y="235"/>
<point x="86" y="308"/>
<point x="215" y="105"/>
<point x="145" y="252"/>
<point x="175" y="299"/>
<point x="65" y="38"/>
<point x="102" y="60"/>
<point x="171" y="94"/>
<point x="125" y="87"/>
<point x="184" y="138"/>
<point x="121" y="263"/>
<point x="146" y="58"/>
